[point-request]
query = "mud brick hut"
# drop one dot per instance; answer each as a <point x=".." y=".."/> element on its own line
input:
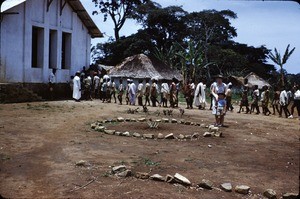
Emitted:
<point x="143" y="67"/>
<point x="38" y="35"/>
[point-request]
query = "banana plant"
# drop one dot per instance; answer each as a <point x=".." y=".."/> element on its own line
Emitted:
<point x="280" y="61"/>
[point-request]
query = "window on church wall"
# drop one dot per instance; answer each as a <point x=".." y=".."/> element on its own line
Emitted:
<point x="53" y="49"/>
<point x="37" y="49"/>
<point x="66" y="50"/>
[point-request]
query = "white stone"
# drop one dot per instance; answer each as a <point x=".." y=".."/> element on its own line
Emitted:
<point x="160" y="136"/>
<point x="118" y="169"/>
<point x="142" y="119"/>
<point x="137" y="135"/>
<point x="148" y="136"/>
<point x="242" y="189"/>
<point x="289" y="196"/>
<point x="226" y="187"/>
<point x="270" y="193"/>
<point x="170" y="136"/>
<point x="181" y="136"/>
<point x="207" y="134"/>
<point x="126" y="134"/>
<point x="165" y="120"/>
<point x="120" y="119"/>
<point x="206" y="184"/>
<point x="118" y="133"/>
<point x="157" y="177"/>
<point x="124" y="174"/>
<point x="195" y="135"/>
<point x="110" y="132"/>
<point x="182" y="179"/>
<point x="174" y="121"/>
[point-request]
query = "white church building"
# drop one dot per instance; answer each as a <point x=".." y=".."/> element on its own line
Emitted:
<point x="39" y="35"/>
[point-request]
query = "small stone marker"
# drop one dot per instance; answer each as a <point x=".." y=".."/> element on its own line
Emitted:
<point x="170" y="136"/>
<point x="142" y="119"/>
<point x="127" y="134"/>
<point x="207" y="134"/>
<point x="181" y="136"/>
<point x="132" y="120"/>
<point x="160" y="136"/>
<point x="170" y="178"/>
<point x="195" y="135"/>
<point x="93" y="125"/>
<point x="290" y="196"/>
<point x="142" y="175"/>
<point x="270" y="193"/>
<point x="124" y="174"/>
<point x="81" y="163"/>
<point x="148" y="136"/>
<point x="242" y="189"/>
<point x="165" y="120"/>
<point x="182" y="179"/>
<point x="174" y="121"/>
<point x="118" y="133"/>
<point x="137" y="135"/>
<point x="120" y="119"/>
<point x="110" y="132"/>
<point x="206" y="184"/>
<point x="118" y="169"/>
<point x="157" y="177"/>
<point x="226" y="187"/>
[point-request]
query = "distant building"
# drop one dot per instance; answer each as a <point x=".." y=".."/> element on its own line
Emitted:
<point x="141" y="67"/>
<point x="38" y="35"/>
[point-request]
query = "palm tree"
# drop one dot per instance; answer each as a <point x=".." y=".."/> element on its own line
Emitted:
<point x="280" y="61"/>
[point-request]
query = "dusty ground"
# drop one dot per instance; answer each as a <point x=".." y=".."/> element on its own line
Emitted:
<point x="40" y="143"/>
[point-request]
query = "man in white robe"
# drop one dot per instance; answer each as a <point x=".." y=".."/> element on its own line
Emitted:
<point x="77" y="87"/>
<point x="200" y="97"/>
<point x="132" y="92"/>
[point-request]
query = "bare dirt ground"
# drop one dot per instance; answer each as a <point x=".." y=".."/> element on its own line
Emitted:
<point x="40" y="143"/>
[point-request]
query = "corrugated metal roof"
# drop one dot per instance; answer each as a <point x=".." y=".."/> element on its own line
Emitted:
<point x="77" y="7"/>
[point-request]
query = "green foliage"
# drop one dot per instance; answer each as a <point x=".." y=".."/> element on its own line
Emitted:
<point x="280" y="61"/>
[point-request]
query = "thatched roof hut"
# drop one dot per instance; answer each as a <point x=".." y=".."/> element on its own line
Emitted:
<point x="253" y="79"/>
<point x="141" y="67"/>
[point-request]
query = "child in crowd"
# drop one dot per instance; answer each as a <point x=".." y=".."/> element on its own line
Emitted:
<point x="121" y="91"/>
<point x="113" y="90"/>
<point x="254" y="104"/>
<point x="147" y="93"/>
<point x="221" y="109"/>
<point x="228" y="98"/>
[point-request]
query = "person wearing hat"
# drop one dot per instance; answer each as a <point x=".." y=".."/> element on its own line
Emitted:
<point x="77" y="87"/>
<point x="218" y="88"/>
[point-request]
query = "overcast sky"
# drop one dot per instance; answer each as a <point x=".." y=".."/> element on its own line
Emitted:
<point x="269" y="23"/>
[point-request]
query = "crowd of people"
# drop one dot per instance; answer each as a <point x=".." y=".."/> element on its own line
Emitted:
<point x="165" y="93"/>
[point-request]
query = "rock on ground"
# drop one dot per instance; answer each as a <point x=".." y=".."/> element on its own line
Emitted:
<point x="170" y="136"/>
<point x="136" y="135"/>
<point x="118" y="133"/>
<point x="195" y="135"/>
<point x="226" y="187"/>
<point x="165" y="120"/>
<point x="120" y="119"/>
<point x="118" y="169"/>
<point x="181" y="136"/>
<point x="157" y="177"/>
<point x="242" y="189"/>
<point x="270" y="193"/>
<point x="170" y="179"/>
<point x="81" y="163"/>
<point x="290" y="196"/>
<point x="207" y="134"/>
<point x="124" y="174"/>
<point x="160" y="136"/>
<point x="127" y="134"/>
<point x="182" y="179"/>
<point x="148" y="136"/>
<point x="174" y="121"/>
<point x="110" y="132"/>
<point x="206" y="184"/>
<point x="142" y="175"/>
<point x="142" y="119"/>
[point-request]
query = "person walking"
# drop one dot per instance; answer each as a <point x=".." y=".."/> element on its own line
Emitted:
<point x="77" y="87"/>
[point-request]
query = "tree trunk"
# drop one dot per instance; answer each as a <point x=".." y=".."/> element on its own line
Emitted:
<point x="282" y="75"/>
<point x="117" y="36"/>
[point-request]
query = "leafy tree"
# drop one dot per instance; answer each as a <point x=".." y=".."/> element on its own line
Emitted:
<point x="118" y="10"/>
<point x="280" y="61"/>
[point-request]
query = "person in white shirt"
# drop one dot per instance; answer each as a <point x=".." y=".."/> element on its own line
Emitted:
<point x="255" y="98"/>
<point x="113" y="90"/>
<point x="96" y="85"/>
<point x="199" y="96"/>
<point x="52" y="81"/>
<point x="77" y="87"/>
<point x="139" y="92"/>
<point x="283" y="101"/>
<point x="296" y="102"/>
<point x="165" y="90"/>
<point x="132" y="92"/>
<point x="218" y="88"/>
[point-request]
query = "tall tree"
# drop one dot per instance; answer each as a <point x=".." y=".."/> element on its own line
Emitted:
<point x="118" y="10"/>
<point x="280" y="61"/>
